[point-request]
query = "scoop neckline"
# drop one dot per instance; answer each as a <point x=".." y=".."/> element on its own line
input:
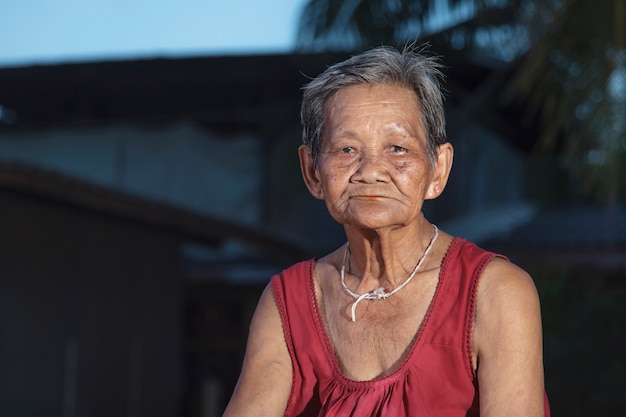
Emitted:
<point x="415" y="343"/>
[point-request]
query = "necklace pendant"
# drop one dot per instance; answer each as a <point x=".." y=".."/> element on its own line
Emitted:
<point x="379" y="293"/>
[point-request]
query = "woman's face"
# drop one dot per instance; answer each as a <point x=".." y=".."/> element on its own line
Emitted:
<point x="374" y="171"/>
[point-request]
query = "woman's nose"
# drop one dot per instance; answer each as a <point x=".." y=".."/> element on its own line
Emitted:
<point x="372" y="168"/>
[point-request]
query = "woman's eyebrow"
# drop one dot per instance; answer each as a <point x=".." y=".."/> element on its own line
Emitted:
<point x="342" y="133"/>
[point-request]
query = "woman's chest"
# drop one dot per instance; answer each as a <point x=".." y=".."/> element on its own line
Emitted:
<point x="383" y="335"/>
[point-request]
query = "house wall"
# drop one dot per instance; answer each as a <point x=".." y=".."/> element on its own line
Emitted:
<point x="486" y="173"/>
<point x="178" y="164"/>
<point x="90" y="314"/>
<point x="486" y="194"/>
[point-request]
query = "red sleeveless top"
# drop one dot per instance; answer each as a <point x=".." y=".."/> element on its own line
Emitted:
<point x="436" y="379"/>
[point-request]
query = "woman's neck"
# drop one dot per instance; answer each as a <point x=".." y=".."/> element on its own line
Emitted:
<point x="384" y="259"/>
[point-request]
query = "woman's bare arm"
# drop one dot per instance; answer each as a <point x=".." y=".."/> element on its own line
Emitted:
<point x="508" y="343"/>
<point x="265" y="381"/>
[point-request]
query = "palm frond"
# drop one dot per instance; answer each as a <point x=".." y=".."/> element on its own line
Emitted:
<point x="571" y="57"/>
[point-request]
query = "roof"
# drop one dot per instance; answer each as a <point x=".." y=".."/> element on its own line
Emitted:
<point x="77" y="194"/>
<point x="224" y="92"/>
<point x="256" y="92"/>
<point x="570" y="235"/>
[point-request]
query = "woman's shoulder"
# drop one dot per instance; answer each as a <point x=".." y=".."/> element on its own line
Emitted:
<point x="506" y="278"/>
<point x="499" y="279"/>
<point x="506" y="291"/>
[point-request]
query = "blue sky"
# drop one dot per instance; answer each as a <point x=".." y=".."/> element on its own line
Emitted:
<point x="57" y="31"/>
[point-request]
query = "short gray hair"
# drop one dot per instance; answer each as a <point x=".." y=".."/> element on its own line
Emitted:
<point x="382" y="65"/>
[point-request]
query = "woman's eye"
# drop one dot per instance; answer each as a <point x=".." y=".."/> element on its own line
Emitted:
<point x="398" y="149"/>
<point x="347" y="149"/>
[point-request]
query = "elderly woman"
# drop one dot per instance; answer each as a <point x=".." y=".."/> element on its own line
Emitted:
<point x="403" y="319"/>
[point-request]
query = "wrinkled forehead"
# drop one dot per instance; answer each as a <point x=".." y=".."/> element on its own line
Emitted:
<point x="376" y="100"/>
<point x="356" y="93"/>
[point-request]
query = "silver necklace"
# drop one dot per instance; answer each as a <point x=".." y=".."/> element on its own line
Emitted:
<point x="380" y="293"/>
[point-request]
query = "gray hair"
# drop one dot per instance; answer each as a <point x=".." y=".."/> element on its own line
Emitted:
<point x="382" y="65"/>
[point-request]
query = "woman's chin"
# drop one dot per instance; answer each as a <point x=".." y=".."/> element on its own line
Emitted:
<point x="375" y="221"/>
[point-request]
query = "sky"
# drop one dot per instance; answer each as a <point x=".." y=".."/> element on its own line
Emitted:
<point x="58" y="31"/>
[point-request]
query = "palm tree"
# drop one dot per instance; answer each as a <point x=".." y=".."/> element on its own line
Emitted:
<point x="567" y="58"/>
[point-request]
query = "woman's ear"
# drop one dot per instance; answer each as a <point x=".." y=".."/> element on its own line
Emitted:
<point x="443" y="165"/>
<point x="309" y="172"/>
